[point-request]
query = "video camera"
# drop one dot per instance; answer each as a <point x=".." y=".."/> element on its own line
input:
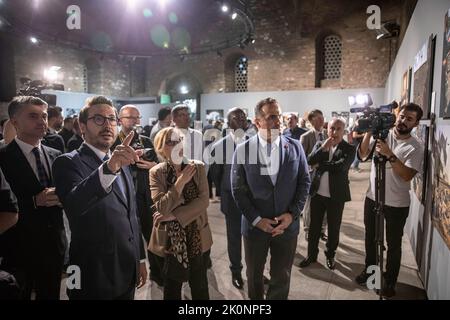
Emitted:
<point x="377" y="120"/>
<point x="34" y="88"/>
<point x="148" y="153"/>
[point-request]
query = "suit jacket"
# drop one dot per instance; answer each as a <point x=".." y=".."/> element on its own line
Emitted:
<point x="167" y="200"/>
<point x="296" y="133"/>
<point x="142" y="184"/>
<point x="337" y="169"/>
<point x="308" y="140"/>
<point x="66" y="135"/>
<point x="74" y="143"/>
<point x="54" y="140"/>
<point x="106" y="240"/>
<point x="39" y="233"/>
<point x="255" y="194"/>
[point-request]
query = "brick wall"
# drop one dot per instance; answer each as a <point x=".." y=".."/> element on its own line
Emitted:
<point x="283" y="57"/>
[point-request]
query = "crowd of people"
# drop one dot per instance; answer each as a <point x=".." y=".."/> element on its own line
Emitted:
<point x="132" y="196"/>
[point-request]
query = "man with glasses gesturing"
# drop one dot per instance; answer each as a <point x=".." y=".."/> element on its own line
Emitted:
<point x="97" y="192"/>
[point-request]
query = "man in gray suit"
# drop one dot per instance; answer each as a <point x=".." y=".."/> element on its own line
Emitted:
<point x="308" y="141"/>
<point x="270" y="183"/>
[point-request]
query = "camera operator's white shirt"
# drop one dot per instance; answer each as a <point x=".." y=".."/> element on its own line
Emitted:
<point x="408" y="151"/>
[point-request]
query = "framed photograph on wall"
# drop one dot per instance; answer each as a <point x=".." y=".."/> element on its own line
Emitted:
<point x="445" y="83"/>
<point x="423" y="76"/>
<point x="420" y="179"/>
<point x="406" y="87"/>
<point x="441" y="181"/>
<point x="216" y="114"/>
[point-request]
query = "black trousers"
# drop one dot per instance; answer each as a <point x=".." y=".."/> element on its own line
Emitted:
<point x="146" y="218"/>
<point x="233" y="219"/>
<point x="334" y="209"/>
<point x="282" y="251"/>
<point x="198" y="282"/>
<point x="395" y="219"/>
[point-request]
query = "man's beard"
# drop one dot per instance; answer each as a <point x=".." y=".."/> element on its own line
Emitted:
<point x="402" y="129"/>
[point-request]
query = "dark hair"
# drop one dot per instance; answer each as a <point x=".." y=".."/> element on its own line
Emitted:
<point x="412" y="107"/>
<point x="163" y="113"/>
<point x="84" y="112"/>
<point x="19" y="102"/>
<point x="179" y="108"/>
<point x="313" y="114"/>
<point x="2" y="122"/>
<point x="68" y="119"/>
<point x="54" y="112"/>
<point x="262" y="103"/>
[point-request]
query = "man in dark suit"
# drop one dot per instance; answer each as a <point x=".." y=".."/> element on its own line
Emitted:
<point x="222" y="157"/>
<point x="270" y="182"/>
<point x="67" y="131"/>
<point x="76" y="140"/>
<point x="52" y="139"/>
<point x="39" y="237"/>
<point x="97" y="192"/>
<point x="329" y="190"/>
<point x="293" y="130"/>
<point x="129" y="118"/>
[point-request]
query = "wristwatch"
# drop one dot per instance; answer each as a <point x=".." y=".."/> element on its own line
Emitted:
<point x="392" y="158"/>
<point x="107" y="171"/>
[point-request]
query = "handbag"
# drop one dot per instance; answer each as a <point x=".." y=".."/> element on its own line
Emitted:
<point x="159" y="240"/>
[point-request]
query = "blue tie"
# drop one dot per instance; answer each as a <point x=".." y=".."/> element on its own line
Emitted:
<point x="119" y="180"/>
<point x="42" y="174"/>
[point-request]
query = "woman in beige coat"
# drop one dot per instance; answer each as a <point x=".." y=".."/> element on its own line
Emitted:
<point x="181" y="232"/>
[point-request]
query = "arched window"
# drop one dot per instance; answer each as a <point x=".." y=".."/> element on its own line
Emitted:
<point x="241" y="74"/>
<point x="332" y="57"/>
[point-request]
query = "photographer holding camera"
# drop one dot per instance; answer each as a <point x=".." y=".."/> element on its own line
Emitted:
<point x="130" y="119"/>
<point x="404" y="155"/>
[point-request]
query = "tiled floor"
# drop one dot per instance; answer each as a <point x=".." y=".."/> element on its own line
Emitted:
<point x="316" y="281"/>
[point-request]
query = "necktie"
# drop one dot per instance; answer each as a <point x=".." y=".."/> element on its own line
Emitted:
<point x="119" y="180"/>
<point x="320" y="136"/>
<point x="269" y="150"/>
<point x="42" y="174"/>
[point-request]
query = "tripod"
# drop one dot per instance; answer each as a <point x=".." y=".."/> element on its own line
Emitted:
<point x="380" y="191"/>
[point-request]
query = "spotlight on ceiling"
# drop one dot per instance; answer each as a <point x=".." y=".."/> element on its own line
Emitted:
<point x="184" y="89"/>
<point x="225" y="7"/>
<point x="234" y="16"/>
<point x="34" y="40"/>
<point x="51" y="74"/>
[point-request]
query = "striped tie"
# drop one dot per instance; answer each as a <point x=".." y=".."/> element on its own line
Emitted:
<point x="42" y="174"/>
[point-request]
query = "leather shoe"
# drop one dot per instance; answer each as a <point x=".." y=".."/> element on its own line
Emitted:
<point x="331" y="264"/>
<point x="237" y="281"/>
<point x="388" y="290"/>
<point x="306" y="262"/>
<point x="323" y="236"/>
<point x="361" y="279"/>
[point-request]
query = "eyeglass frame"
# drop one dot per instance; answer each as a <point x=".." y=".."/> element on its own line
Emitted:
<point x="112" y="121"/>
<point x="173" y="143"/>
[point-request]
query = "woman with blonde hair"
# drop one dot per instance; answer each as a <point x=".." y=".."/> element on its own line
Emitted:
<point x="181" y="232"/>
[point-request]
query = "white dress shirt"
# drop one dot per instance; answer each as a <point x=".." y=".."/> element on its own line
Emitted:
<point x="27" y="150"/>
<point x="324" y="187"/>
<point x="272" y="162"/>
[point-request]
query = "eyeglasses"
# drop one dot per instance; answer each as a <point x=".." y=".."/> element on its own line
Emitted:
<point x="172" y="143"/>
<point x="133" y="118"/>
<point x="100" y="120"/>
